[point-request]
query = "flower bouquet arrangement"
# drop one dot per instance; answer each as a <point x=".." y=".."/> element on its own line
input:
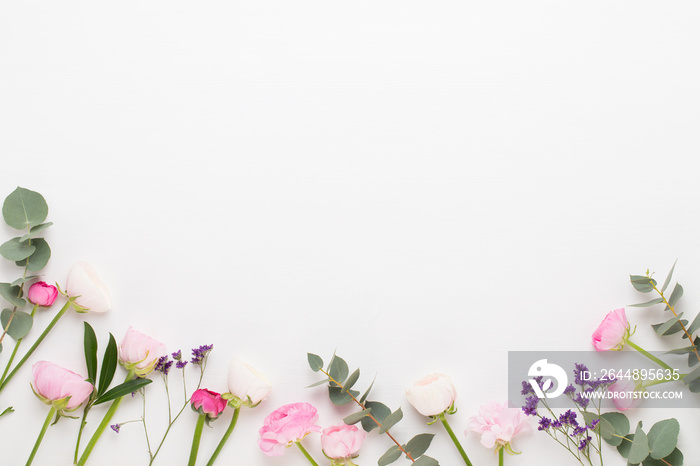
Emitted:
<point x="585" y="430"/>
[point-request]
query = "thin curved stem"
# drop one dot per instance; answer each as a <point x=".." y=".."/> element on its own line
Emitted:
<point x="649" y="355"/>
<point x="47" y="422"/>
<point x="500" y="457"/>
<point x="51" y="325"/>
<point x="195" y="439"/>
<point x="306" y="453"/>
<point x="452" y="435"/>
<point x="226" y="436"/>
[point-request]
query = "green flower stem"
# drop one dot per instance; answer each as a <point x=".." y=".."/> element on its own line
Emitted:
<point x="224" y="439"/>
<point x="195" y="440"/>
<point x="306" y="453"/>
<point x="452" y="435"/>
<point x="500" y="457"/>
<point x="47" y="422"/>
<point x="14" y="351"/>
<point x="51" y="325"/>
<point x="103" y="425"/>
<point x="649" y="355"/>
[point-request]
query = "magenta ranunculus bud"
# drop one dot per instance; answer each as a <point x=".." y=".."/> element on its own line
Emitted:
<point x="286" y="425"/>
<point x="59" y="387"/>
<point x="342" y="441"/>
<point x="612" y="333"/>
<point x="140" y="352"/>
<point x="42" y="294"/>
<point x="208" y="402"/>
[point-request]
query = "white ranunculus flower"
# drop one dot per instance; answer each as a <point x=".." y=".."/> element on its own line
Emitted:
<point x="245" y="382"/>
<point x="84" y="283"/>
<point x="432" y="395"/>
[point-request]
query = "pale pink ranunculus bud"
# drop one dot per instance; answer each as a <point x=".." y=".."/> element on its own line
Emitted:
<point x="612" y="332"/>
<point x="247" y="384"/>
<point x="59" y="387"/>
<point x="84" y="284"/>
<point x="286" y="425"/>
<point x="140" y="352"/>
<point x="42" y="294"/>
<point x="625" y="394"/>
<point x="342" y="441"/>
<point x="432" y="395"/>
<point x="498" y="425"/>
<point x="208" y="402"/>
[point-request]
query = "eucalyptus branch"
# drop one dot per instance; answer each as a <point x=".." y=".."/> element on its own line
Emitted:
<point x="673" y="310"/>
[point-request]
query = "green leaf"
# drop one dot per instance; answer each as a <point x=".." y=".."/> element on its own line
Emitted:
<point x="621" y="427"/>
<point x="40" y="258"/>
<point x="675" y="296"/>
<point x="315" y="362"/>
<point x="16" y="250"/>
<point x="123" y="389"/>
<point x="640" y="446"/>
<point x="671" y="326"/>
<point x="604" y="427"/>
<point x="352" y="380"/>
<point x="340" y="397"/>
<point x="21" y="280"/>
<point x="36" y="230"/>
<point x="12" y="294"/>
<point x="354" y="418"/>
<point x="20" y="326"/>
<point x="648" y="303"/>
<point x="674" y="459"/>
<point x="668" y="277"/>
<point x="694" y="386"/>
<point x="694" y="326"/>
<point x="642" y="283"/>
<point x="379" y="411"/>
<point x="7" y="411"/>
<point x="109" y="366"/>
<point x="684" y="350"/>
<point x="663" y="438"/>
<point x="366" y="393"/>
<point x="320" y="382"/>
<point x="426" y="461"/>
<point x="391" y="420"/>
<point x="90" y="346"/>
<point x="419" y="445"/>
<point x="391" y="455"/>
<point x="624" y="447"/>
<point x="338" y="369"/>
<point x="693" y="375"/>
<point x="24" y="209"/>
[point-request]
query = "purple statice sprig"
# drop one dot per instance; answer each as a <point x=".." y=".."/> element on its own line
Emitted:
<point x="163" y="365"/>
<point x="200" y="354"/>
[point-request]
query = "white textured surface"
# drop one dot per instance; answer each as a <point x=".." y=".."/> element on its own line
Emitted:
<point x="421" y="186"/>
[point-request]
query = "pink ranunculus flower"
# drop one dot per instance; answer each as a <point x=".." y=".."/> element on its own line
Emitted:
<point x="286" y="425"/>
<point x="140" y="352"/>
<point x="612" y="333"/>
<point x="84" y="283"/>
<point x="342" y="441"/>
<point x="208" y="402"/>
<point x="498" y="425"/>
<point x="625" y="394"/>
<point x="432" y="395"/>
<point x="59" y="387"/>
<point x="42" y="294"/>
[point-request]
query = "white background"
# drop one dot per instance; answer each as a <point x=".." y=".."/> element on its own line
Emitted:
<point x="422" y="186"/>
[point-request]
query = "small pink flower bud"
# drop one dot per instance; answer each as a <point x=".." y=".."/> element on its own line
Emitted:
<point x="42" y="294"/>
<point x="342" y="441"/>
<point x="208" y="402"/>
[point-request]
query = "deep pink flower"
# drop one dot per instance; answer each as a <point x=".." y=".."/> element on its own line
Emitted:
<point x="342" y="441"/>
<point x="286" y="425"/>
<point x="498" y="425"/>
<point x="208" y="402"/>
<point x="56" y="386"/>
<point x="612" y="332"/>
<point x="42" y="294"/>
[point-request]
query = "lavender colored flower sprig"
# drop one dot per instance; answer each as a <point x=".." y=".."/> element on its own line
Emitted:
<point x="568" y="429"/>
